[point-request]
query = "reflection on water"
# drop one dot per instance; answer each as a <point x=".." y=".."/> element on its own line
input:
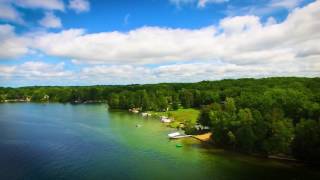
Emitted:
<point x="62" y="141"/>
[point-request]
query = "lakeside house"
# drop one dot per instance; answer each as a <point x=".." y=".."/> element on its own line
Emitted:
<point x="45" y="98"/>
<point x="15" y="100"/>
<point x="200" y="127"/>
<point x="134" y="110"/>
<point x="144" y="114"/>
<point x="28" y="99"/>
<point x="165" y="119"/>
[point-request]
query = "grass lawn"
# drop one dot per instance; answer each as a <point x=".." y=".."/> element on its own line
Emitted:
<point x="179" y="116"/>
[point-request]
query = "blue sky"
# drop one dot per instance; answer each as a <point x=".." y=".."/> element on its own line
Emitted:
<point x="82" y="42"/>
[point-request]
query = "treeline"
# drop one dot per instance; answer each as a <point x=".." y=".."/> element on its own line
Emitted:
<point x="266" y="116"/>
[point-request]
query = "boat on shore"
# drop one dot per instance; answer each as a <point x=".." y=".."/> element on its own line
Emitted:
<point x="177" y="135"/>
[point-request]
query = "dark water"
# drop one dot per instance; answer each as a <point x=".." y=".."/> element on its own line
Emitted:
<point x="57" y="141"/>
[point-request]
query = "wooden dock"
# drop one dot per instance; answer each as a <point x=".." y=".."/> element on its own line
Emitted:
<point x="203" y="137"/>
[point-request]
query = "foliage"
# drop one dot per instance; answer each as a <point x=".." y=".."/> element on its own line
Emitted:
<point x="306" y="144"/>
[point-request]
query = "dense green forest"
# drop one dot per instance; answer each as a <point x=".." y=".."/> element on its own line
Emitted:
<point x="270" y="116"/>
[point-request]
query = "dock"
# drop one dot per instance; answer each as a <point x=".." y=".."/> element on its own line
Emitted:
<point x="203" y="137"/>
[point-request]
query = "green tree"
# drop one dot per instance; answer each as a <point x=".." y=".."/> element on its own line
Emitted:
<point x="175" y="101"/>
<point x="245" y="116"/>
<point x="186" y="98"/>
<point x="306" y="144"/>
<point x="245" y="138"/>
<point x="230" y="105"/>
<point x="145" y="101"/>
<point x="114" y="101"/>
<point x="280" y="136"/>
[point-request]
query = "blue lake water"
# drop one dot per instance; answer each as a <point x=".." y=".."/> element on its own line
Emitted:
<point x="63" y="141"/>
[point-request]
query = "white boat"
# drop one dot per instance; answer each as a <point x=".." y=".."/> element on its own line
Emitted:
<point x="171" y="135"/>
<point x="177" y="135"/>
<point x="181" y="136"/>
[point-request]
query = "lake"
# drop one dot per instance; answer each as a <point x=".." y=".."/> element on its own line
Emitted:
<point x="64" y="141"/>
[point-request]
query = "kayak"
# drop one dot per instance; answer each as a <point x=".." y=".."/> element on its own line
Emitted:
<point x="178" y="145"/>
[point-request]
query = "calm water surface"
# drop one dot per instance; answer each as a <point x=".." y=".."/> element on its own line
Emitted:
<point x="63" y="141"/>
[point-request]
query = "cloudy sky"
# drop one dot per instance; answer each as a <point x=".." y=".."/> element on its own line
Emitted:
<point x="82" y="42"/>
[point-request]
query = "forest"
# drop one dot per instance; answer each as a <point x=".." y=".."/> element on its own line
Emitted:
<point x="268" y="116"/>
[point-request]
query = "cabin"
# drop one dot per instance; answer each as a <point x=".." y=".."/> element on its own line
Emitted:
<point x="144" y="114"/>
<point x="134" y="110"/>
<point x="165" y="119"/>
<point x="28" y="98"/>
<point x="200" y="127"/>
<point x="45" y="97"/>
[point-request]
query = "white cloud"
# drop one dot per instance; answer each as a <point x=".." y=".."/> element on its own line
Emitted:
<point x="34" y="70"/>
<point x="264" y="9"/>
<point x="238" y="40"/>
<point x="178" y="3"/>
<point x="203" y="3"/>
<point x="9" y="13"/>
<point x="115" y="74"/>
<point x="45" y="74"/>
<point x="200" y="3"/>
<point x="11" y="45"/>
<point x="7" y="71"/>
<point x="42" y="4"/>
<point x="50" y="21"/>
<point x="240" y="46"/>
<point x="288" y="4"/>
<point x="240" y="24"/>
<point x="190" y="72"/>
<point x="79" y="5"/>
<point x="145" y="45"/>
<point x="271" y="21"/>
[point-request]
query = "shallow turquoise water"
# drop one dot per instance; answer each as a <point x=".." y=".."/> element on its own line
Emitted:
<point x="63" y="141"/>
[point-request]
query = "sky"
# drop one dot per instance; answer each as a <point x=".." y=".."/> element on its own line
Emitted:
<point x="90" y="42"/>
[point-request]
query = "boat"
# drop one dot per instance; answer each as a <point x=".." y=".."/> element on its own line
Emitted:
<point x="181" y="136"/>
<point x="171" y="135"/>
<point x="177" y="135"/>
<point x="178" y="145"/>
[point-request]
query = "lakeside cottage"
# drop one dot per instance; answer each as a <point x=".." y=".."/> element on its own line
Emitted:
<point x="134" y="110"/>
<point x="28" y="99"/>
<point x="200" y="127"/>
<point x="165" y="119"/>
<point x="144" y="114"/>
<point x="45" y="98"/>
